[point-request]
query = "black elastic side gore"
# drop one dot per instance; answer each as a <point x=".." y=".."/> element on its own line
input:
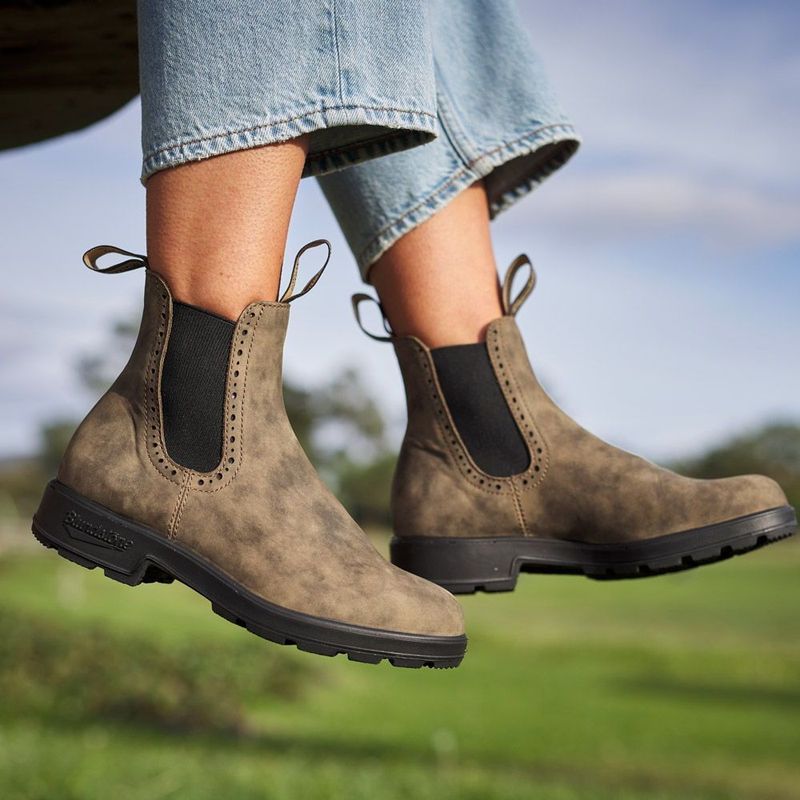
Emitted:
<point x="193" y="386"/>
<point x="479" y="410"/>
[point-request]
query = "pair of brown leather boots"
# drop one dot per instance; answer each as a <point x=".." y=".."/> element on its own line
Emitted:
<point x="243" y="518"/>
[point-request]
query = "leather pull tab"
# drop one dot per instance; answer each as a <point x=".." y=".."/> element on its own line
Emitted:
<point x="93" y="254"/>
<point x="357" y="300"/>
<point x="287" y="296"/>
<point x="510" y="307"/>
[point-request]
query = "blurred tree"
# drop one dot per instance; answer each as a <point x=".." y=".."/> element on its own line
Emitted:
<point x="341" y="428"/>
<point x="54" y="438"/>
<point x="365" y="489"/>
<point x="97" y="371"/>
<point x="338" y="423"/>
<point x="334" y="418"/>
<point x="773" y="450"/>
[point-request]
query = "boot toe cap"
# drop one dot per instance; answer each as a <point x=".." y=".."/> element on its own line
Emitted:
<point x="423" y="608"/>
<point x="752" y="494"/>
<point x="449" y="614"/>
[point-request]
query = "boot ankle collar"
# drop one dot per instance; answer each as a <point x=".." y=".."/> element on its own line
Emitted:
<point x="136" y="261"/>
<point x="510" y="305"/>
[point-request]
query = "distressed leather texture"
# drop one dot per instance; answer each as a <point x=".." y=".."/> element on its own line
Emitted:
<point x="263" y="516"/>
<point x="576" y="486"/>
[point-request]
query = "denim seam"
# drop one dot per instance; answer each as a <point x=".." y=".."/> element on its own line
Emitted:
<point x="432" y="195"/>
<point x="527" y="184"/>
<point x="449" y="121"/>
<point x="365" y="260"/>
<point x="321" y="110"/>
<point x="338" y="55"/>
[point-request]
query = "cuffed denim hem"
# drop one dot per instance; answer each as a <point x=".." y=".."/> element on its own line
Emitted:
<point x="340" y="136"/>
<point x="509" y="171"/>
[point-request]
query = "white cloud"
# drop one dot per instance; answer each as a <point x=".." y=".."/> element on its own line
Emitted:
<point x="612" y="205"/>
<point x="713" y="85"/>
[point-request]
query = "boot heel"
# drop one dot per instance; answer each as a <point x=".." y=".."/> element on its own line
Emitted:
<point x="81" y="532"/>
<point x="460" y="565"/>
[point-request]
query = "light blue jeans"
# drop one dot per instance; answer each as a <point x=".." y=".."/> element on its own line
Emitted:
<point x="405" y="102"/>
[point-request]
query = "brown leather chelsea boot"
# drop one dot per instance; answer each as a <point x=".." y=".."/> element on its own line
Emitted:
<point x="493" y="479"/>
<point x="188" y="469"/>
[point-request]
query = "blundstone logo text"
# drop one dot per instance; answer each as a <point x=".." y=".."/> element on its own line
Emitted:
<point x="103" y="536"/>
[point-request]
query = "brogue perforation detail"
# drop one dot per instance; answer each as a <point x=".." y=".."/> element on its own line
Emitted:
<point x="449" y="433"/>
<point x="534" y="440"/>
<point x="236" y="383"/>
<point x="224" y="472"/>
<point x="152" y="399"/>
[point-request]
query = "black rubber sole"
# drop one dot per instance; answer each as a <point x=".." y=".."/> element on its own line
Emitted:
<point x="465" y="565"/>
<point x="90" y="535"/>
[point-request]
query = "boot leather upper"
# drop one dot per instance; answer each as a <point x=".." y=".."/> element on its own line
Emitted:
<point x="576" y="486"/>
<point x="263" y="516"/>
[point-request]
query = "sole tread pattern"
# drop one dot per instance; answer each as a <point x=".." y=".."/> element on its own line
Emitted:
<point x="465" y="565"/>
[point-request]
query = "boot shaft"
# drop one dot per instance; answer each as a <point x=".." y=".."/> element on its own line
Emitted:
<point x="125" y="439"/>
<point x="451" y="475"/>
<point x="575" y="487"/>
<point x="240" y="515"/>
<point x="437" y="470"/>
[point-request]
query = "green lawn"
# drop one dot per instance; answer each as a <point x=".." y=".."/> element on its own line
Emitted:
<point x="684" y="686"/>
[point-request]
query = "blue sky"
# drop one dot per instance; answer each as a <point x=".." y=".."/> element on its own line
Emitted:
<point x="666" y="315"/>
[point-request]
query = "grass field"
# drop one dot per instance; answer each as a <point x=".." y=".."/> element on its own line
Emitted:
<point x="684" y="686"/>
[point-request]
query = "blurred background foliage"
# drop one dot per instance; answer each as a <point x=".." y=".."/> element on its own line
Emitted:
<point x="338" y="423"/>
<point x="773" y="450"/>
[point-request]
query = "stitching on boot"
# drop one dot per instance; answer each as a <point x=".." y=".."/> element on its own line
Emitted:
<point x="520" y="512"/>
<point x="153" y="434"/>
<point x="234" y="435"/>
<point x="469" y="470"/>
<point x="534" y="439"/>
<point x="177" y="513"/>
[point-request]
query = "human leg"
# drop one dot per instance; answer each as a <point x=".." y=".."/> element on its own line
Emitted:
<point x="187" y="468"/>
<point x="492" y="476"/>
